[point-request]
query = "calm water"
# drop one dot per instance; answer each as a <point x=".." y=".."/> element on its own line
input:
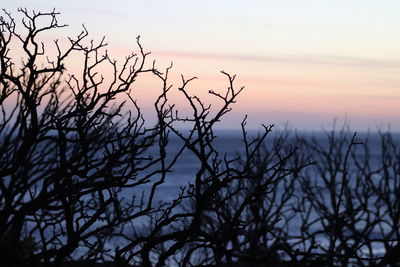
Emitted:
<point x="231" y="143"/>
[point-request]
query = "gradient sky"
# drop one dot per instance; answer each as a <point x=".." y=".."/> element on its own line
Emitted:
<point x="303" y="62"/>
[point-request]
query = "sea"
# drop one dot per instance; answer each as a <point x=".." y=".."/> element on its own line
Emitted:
<point x="230" y="144"/>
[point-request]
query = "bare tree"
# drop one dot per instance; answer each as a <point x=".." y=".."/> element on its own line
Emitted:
<point x="81" y="172"/>
<point x="67" y="150"/>
<point x="238" y="207"/>
<point x="348" y="205"/>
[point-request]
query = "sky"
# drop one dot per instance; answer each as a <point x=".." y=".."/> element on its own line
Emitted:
<point x="303" y="63"/>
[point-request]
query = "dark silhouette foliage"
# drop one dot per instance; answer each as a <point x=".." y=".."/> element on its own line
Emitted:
<point x="81" y="172"/>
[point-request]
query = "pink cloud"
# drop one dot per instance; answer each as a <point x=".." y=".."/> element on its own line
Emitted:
<point x="290" y="59"/>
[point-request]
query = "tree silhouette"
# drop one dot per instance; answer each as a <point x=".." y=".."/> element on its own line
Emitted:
<point x="67" y="150"/>
<point x="81" y="172"/>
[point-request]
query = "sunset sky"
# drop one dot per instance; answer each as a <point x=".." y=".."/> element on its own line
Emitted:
<point x="302" y="62"/>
